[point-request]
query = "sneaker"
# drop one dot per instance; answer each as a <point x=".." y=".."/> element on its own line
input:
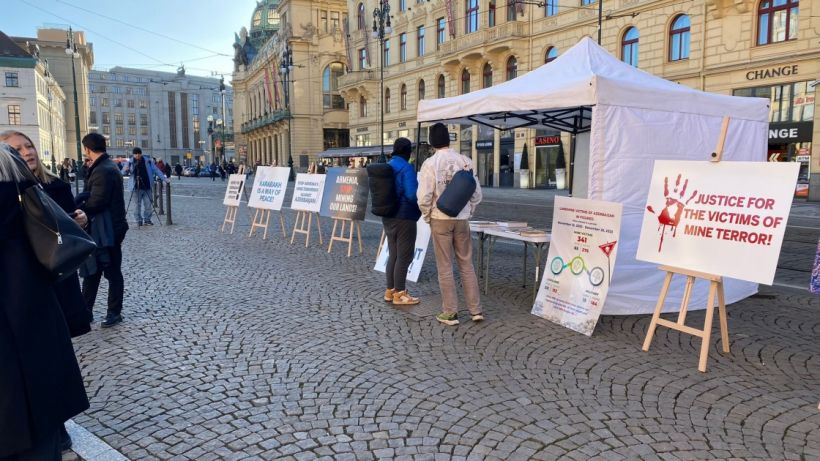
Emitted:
<point x="448" y="319"/>
<point x="388" y="295"/>
<point x="477" y="317"/>
<point x="148" y="223"/>
<point x="403" y="298"/>
<point x="111" y="320"/>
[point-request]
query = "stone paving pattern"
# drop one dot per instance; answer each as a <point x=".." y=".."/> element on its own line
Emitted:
<point x="238" y="348"/>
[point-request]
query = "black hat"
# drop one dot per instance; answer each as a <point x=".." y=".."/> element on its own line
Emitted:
<point x="439" y="136"/>
<point x="402" y="147"/>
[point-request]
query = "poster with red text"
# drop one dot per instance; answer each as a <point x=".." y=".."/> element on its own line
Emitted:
<point x="724" y="218"/>
<point x="583" y="248"/>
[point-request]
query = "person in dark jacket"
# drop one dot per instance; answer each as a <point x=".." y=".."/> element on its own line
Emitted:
<point x="178" y="171"/>
<point x="40" y="381"/>
<point x="104" y="189"/>
<point x="400" y="229"/>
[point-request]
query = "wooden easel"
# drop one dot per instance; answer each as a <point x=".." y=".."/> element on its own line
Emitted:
<point x="381" y="242"/>
<point x="302" y="227"/>
<point x="715" y="288"/>
<point x="354" y="226"/>
<point x="261" y="218"/>
<point x="231" y="212"/>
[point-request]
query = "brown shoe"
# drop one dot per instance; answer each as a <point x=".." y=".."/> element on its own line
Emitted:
<point x="388" y="295"/>
<point x="403" y="298"/>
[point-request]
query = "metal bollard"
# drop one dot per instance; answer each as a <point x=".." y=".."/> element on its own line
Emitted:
<point x="168" y="201"/>
<point x="160" y="185"/>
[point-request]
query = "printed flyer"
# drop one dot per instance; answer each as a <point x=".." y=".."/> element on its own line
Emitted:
<point x="269" y="187"/>
<point x="233" y="193"/>
<point x="422" y="242"/>
<point x="724" y="218"/>
<point x="307" y="192"/>
<point x="583" y="248"/>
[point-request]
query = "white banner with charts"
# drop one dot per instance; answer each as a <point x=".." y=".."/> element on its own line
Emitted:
<point x="422" y="242"/>
<point x="583" y="248"/>
<point x="269" y="186"/>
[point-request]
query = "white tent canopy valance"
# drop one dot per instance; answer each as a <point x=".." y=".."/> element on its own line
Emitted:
<point x="624" y="119"/>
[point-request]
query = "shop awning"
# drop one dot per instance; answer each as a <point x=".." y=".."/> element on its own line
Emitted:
<point x="361" y="151"/>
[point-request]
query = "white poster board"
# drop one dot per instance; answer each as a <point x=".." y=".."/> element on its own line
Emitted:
<point x="583" y="248"/>
<point x="233" y="193"/>
<point x="307" y="192"/>
<point x="422" y="242"/>
<point x="269" y="187"/>
<point x="723" y="218"/>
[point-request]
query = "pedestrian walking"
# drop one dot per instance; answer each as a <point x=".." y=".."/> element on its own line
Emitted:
<point x="450" y="234"/>
<point x="105" y="202"/>
<point x="212" y="170"/>
<point x="178" y="171"/>
<point x="143" y="173"/>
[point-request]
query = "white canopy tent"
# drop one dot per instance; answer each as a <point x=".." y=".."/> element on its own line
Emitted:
<point x="622" y="119"/>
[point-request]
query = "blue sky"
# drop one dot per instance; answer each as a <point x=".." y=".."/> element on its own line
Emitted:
<point x="146" y="34"/>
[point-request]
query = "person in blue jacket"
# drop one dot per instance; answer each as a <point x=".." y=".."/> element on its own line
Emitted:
<point x="400" y="229"/>
<point x="143" y="171"/>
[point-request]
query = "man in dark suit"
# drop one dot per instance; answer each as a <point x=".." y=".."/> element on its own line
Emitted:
<point x="105" y="201"/>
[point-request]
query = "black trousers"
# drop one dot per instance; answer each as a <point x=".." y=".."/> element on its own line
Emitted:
<point x="45" y="449"/>
<point x="116" y="283"/>
<point x="401" y="242"/>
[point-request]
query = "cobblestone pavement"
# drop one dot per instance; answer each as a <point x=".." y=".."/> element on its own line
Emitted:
<point x="239" y="348"/>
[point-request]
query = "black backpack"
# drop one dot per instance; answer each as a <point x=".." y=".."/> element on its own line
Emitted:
<point x="457" y="194"/>
<point x="385" y="200"/>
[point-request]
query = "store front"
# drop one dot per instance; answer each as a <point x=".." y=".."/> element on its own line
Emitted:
<point x="550" y="166"/>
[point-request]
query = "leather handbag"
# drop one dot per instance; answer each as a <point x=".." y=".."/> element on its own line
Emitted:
<point x="59" y="243"/>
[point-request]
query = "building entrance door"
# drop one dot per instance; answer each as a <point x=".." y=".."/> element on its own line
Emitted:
<point x="485" y="168"/>
<point x="546" y="158"/>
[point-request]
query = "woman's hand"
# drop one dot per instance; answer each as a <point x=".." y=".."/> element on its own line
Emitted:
<point x="80" y="218"/>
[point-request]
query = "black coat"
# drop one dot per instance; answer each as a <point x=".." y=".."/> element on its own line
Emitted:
<point x="69" y="295"/>
<point x="40" y="381"/>
<point x="104" y="187"/>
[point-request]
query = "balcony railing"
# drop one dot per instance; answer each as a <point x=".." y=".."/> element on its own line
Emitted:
<point x="356" y="77"/>
<point x="264" y="120"/>
<point x="467" y="42"/>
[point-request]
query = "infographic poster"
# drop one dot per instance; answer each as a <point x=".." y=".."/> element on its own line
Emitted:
<point x="724" y="218"/>
<point x="583" y="248"/>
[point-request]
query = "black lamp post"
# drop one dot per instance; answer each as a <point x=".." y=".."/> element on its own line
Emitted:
<point x="211" y="137"/>
<point x="71" y="50"/>
<point x="224" y="120"/>
<point x="285" y="68"/>
<point x="381" y="28"/>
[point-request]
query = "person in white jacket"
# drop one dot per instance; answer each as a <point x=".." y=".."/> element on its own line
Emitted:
<point x="451" y="235"/>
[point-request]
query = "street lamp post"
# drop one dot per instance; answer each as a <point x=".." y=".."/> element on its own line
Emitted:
<point x="211" y="135"/>
<point x="224" y="118"/>
<point x="51" y="126"/>
<point x="381" y="28"/>
<point x="71" y="50"/>
<point x="285" y="68"/>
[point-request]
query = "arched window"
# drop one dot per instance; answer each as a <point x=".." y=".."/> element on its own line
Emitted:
<point x="512" y="68"/>
<point x="362" y="107"/>
<point x="629" y="46"/>
<point x="487" y="75"/>
<point x="679" y="38"/>
<point x="440" y="87"/>
<point x="465" y="81"/>
<point x="777" y="21"/>
<point x="273" y="17"/>
<point x="387" y="100"/>
<point x="403" y="95"/>
<point x="361" y="17"/>
<point x="331" y="98"/>
<point x="551" y="54"/>
<point x="421" y="90"/>
<point x="257" y="19"/>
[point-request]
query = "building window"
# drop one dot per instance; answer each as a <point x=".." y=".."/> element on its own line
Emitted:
<point x="106" y="118"/>
<point x="440" y="34"/>
<point x="130" y="103"/>
<point x="403" y="97"/>
<point x="92" y="100"/>
<point x="334" y="22"/>
<point x="362" y="25"/>
<point x="362" y="107"/>
<point x="487" y="75"/>
<point x="512" y="14"/>
<point x="421" y="90"/>
<point x="14" y="114"/>
<point x="172" y="119"/>
<point x="362" y="59"/>
<point x="92" y="118"/>
<point x="491" y="14"/>
<point x="132" y="130"/>
<point x="117" y="102"/>
<point x="440" y="87"/>
<point x="679" y="39"/>
<point x="629" y="47"/>
<point x="143" y="103"/>
<point x="465" y="81"/>
<point x="777" y="21"/>
<point x="144" y="130"/>
<point x="132" y="119"/>
<point x="386" y="55"/>
<point x="587" y="2"/>
<point x="331" y="98"/>
<point x="420" y="40"/>
<point x="144" y="143"/>
<point x="257" y="19"/>
<point x="386" y="100"/>
<point x="471" y="16"/>
<point x="144" y="119"/>
<point x="402" y="5"/>
<point x="106" y="129"/>
<point x="12" y="79"/>
<point x="323" y="21"/>
<point x="791" y="102"/>
<point x="119" y="130"/>
<point x="551" y="54"/>
<point x="118" y="118"/>
<point x="104" y="102"/>
<point x="551" y="8"/>
<point x="403" y="48"/>
<point x="512" y="68"/>
<point x="273" y="17"/>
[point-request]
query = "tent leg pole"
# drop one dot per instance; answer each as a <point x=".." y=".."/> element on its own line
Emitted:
<point x="418" y="145"/>
<point x="571" y="162"/>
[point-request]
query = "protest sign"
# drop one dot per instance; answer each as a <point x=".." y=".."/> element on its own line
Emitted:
<point x="307" y="192"/>
<point x="269" y="186"/>
<point x="583" y="248"/>
<point x="422" y="242"/>
<point x="725" y="218"/>
<point x="233" y="193"/>
<point x="346" y="191"/>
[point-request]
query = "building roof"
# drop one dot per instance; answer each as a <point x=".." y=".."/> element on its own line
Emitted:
<point x="264" y="22"/>
<point x="13" y="55"/>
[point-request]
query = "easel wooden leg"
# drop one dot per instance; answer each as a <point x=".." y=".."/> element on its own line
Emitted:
<point x="684" y="303"/>
<point x="233" y="217"/>
<point x="282" y="224"/>
<point x="333" y="235"/>
<point x="299" y="214"/>
<point x="658" y="308"/>
<point x="253" y="222"/>
<point x="225" y="221"/>
<point x="724" y="324"/>
<point x="318" y="228"/>
<point x="267" y="223"/>
<point x="349" y="238"/>
<point x="707" y="328"/>
<point x="359" y="236"/>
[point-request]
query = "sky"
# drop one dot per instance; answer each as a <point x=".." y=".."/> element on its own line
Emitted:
<point x="144" y="34"/>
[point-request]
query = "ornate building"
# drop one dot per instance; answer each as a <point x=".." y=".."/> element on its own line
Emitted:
<point x="287" y="104"/>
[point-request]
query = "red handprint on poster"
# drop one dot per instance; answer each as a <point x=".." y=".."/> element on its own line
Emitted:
<point x="671" y="213"/>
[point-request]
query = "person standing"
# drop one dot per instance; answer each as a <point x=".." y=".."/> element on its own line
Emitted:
<point x="451" y="235"/>
<point x="105" y="201"/>
<point x="400" y="229"/>
<point x="178" y="171"/>
<point x="143" y="171"/>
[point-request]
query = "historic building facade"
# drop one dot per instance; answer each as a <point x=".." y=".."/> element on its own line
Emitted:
<point x="287" y="102"/>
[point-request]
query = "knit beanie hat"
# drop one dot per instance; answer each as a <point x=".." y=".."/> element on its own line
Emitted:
<point x="403" y="147"/>
<point x="439" y="136"/>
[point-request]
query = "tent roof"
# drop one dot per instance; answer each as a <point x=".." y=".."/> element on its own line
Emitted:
<point x="560" y="95"/>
